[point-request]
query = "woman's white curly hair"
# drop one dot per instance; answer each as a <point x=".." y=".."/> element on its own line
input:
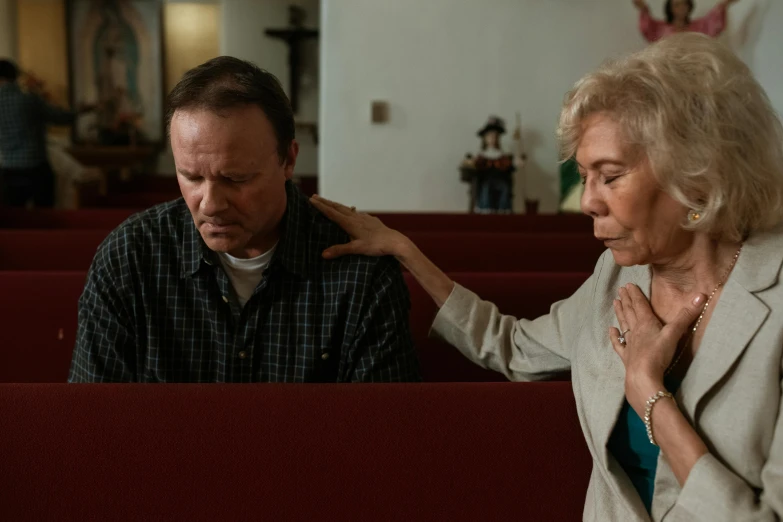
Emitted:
<point x="707" y="128"/>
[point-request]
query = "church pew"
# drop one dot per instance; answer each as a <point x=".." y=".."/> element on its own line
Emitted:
<point x="40" y="319"/>
<point x="522" y="295"/>
<point x="446" y="222"/>
<point x="451" y="251"/>
<point x="93" y="218"/>
<point x="110" y="218"/>
<point x="461" y="452"/>
<point x="509" y="252"/>
<point x="49" y="249"/>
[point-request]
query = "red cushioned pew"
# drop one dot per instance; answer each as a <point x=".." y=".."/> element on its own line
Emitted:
<point x="509" y="252"/>
<point x="109" y="218"/>
<point x="522" y="295"/>
<point x="87" y="219"/>
<point x="534" y="224"/>
<point x="452" y="252"/>
<point x="49" y="249"/>
<point x="39" y="319"/>
<point x="457" y="452"/>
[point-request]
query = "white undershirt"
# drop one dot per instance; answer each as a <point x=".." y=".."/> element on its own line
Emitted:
<point x="245" y="274"/>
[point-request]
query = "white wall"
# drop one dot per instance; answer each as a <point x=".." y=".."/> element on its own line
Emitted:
<point x="759" y="41"/>
<point x="8" y="29"/>
<point x="445" y="65"/>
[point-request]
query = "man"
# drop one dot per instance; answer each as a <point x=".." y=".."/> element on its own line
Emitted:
<point x="25" y="171"/>
<point x="228" y="283"/>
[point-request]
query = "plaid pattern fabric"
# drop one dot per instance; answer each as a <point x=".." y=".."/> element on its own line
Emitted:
<point x="158" y="307"/>
<point x="23" y="120"/>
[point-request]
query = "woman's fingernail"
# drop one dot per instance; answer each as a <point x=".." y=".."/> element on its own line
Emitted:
<point x="327" y="254"/>
<point x="698" y="299"/>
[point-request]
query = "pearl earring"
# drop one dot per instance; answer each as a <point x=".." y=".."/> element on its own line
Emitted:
<point x="693" y="216"/>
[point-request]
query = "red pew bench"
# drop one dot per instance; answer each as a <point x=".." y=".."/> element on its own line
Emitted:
<point x="509" y="252"/>
<point x="86" y="219"/>
<point x="36" y="341"/>
<point x="451" y="251"/>
<point x="39" y="318"/>
<point x="523" y="295"/>
<point x="534" y="224"/>
<point x="457" y="452"/>
<point x="49" y="249"/>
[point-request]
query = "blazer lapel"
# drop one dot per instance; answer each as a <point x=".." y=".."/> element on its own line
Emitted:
<point x="736" y="319"/>
<point x="608" y="403"/>
<point x="611" y="398"/>
<point x="608" y="406"/>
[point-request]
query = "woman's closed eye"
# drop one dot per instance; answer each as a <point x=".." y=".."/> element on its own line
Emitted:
<point x="607" y="178"/>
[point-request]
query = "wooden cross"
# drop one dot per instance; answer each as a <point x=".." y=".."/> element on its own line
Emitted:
<point x="293" y="37"/>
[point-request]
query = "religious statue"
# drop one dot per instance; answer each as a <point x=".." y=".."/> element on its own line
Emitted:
<point x="678" y="19"/>
<point x="116" y="62"/>
<point x="491" y="171"/>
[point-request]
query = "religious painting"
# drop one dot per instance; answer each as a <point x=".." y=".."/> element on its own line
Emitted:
<point x="115" y="60"/>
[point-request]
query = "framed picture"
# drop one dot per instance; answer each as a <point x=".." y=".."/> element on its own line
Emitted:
<point x="116" y="67"/>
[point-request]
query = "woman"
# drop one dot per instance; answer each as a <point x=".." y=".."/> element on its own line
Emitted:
<point x="681" y="155"/>
<point x="678" y="19"/>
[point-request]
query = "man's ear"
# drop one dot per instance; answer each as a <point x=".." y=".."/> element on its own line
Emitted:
<point x="290" y="159"/>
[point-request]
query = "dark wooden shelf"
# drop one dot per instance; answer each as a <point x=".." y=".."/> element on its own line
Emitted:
<point x="112" y="157"/>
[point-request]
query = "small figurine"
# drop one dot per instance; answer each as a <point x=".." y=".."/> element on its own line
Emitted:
<point x="491" y="170"/>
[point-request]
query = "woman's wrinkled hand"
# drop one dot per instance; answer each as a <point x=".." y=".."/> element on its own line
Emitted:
<point x="649" y="345"/>
<point x="369" y="236"/>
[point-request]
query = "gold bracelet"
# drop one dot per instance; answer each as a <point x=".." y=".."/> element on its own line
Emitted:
<point x="648" y="413"/>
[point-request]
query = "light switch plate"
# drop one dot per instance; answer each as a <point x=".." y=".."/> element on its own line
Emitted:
<point x="380" y="111"/>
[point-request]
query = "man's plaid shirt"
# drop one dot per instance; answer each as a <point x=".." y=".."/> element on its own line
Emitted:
<point x="158" y="307"/>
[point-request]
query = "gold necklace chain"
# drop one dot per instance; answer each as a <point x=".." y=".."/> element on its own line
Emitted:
<point x="703" y="310"/>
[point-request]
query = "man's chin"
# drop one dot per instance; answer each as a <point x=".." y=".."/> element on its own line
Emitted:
<point x="223" y="243"/>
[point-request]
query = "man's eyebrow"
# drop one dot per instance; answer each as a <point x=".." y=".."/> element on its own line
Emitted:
<point x="227" y="174"/>
<point x="236" y="174"/>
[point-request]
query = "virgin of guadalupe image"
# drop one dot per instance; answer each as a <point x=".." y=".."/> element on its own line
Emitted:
<point x="116" y="62"/>
<point x="114" y="68"/>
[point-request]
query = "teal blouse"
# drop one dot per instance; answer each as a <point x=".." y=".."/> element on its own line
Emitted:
<point x="632" y="449"/>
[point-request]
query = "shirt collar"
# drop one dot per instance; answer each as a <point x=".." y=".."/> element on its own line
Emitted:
<point x="292" y="250"/>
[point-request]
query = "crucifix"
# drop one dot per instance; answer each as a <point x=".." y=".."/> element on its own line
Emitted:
<point x="294" y="36"/>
